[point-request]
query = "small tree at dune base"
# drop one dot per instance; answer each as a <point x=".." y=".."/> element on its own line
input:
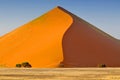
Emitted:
<point x="18" y="65"/>
<point x="101" y="65"/>
<point x="26" y="65"/>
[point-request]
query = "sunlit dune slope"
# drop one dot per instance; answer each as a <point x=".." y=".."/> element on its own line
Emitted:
<point x="84" y="45"/>
<point x="38" y="42"/>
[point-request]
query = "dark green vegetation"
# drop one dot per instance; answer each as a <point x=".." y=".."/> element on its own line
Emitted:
<point x="24" y="64"/>
<point x="101" y="65"/>
<point x="18" y="65"/>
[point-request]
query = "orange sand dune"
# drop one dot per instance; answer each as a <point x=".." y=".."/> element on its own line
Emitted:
<point x="38" y="42"/>
<point x="59" y="36"/>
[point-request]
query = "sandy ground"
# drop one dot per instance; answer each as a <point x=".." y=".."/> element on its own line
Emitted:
<point x="60" y="74"/>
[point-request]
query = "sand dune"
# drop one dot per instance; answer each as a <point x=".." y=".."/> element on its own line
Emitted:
<point x="38" y="42"/>
<point x="59" y="36"/>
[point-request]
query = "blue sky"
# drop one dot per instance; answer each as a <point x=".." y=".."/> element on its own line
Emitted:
<point x="104" y="14"/>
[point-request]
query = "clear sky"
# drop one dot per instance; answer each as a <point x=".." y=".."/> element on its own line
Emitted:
<point x="104" y="14"/>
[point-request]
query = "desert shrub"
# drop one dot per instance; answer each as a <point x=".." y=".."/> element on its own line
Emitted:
<point x="61" y="64"/>
<point x="101" y="65"/>
<point x="18" y="65"/>
<point x="26" y="65"/>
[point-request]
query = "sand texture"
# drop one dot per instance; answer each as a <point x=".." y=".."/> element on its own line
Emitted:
<point x="38" y="42"/>
<point x="60" y="74"/>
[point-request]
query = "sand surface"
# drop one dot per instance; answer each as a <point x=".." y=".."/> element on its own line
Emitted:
<point x="38" y="40"/>
<point x="60" y="74"/>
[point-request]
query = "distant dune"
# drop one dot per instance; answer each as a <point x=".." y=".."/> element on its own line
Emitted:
<point x="59" y="36"/>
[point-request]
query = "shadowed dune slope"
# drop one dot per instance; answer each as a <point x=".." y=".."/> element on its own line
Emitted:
<point x="38" y="42"/>
<point x="84" y="45"/>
